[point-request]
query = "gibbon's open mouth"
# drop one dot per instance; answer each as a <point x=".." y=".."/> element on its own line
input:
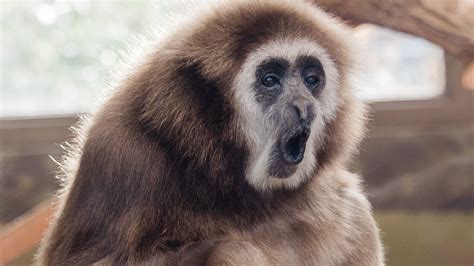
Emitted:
<point x="293" y="148"/>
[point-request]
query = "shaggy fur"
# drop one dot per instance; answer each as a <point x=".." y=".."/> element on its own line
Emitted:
<point x="159" y="173"/>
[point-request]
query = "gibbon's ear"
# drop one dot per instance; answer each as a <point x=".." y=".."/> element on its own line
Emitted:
<point x="106" y="200"/>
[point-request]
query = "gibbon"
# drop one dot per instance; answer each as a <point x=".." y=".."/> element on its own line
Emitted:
<point x="226" y="145"/>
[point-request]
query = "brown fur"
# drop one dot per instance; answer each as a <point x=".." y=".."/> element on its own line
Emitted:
<point x="159" y="175"/>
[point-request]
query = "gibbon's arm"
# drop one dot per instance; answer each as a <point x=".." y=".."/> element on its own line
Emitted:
<point x="368" y="248"/>
<point x="236" y="253"/>
<point x="104" y="206"/>
<point x="369" y="251"/>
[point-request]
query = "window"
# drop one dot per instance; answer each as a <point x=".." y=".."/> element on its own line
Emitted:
<point x="398" y="66"/>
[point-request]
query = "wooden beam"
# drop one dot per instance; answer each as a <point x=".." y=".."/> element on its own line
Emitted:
<point x="468" y="77"/>
<point x="24" y="233"/>
<point x="447" y="23"/>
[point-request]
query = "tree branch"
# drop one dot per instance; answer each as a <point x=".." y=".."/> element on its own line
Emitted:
<point x="447" y="23"/>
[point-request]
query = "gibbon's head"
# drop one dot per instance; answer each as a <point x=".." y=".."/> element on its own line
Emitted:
<point x="258" y="91"/>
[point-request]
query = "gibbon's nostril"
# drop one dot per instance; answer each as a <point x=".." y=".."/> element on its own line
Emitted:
<point x="300" y="111"/>
<point x="304" y="113"/>
<point x="306" y="125"/>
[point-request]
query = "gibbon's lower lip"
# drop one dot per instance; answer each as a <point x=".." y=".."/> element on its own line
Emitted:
<point x="293" y="148"/>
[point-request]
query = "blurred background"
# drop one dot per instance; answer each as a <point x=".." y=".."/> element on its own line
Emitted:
<point x="417" y="160"/>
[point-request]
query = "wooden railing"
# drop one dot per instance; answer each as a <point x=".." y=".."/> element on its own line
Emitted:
<point x="24" y="233"/>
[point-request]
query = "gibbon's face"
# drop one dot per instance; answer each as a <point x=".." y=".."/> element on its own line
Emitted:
<point x="287" y="91"/>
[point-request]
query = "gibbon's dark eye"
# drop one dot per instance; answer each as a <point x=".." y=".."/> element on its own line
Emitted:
<point x="270" y="80"/>
<point x="312" y="78"/>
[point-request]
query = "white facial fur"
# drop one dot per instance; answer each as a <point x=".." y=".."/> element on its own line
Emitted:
<point x="260" y="134"/>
